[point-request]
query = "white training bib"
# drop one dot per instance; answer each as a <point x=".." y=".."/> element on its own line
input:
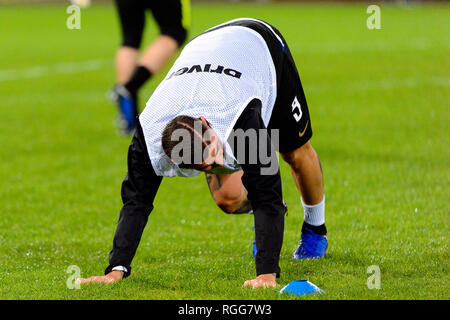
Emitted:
<point x="216" y="75"/>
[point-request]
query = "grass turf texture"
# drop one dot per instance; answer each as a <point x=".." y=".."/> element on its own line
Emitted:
<point x="379" y="106"/>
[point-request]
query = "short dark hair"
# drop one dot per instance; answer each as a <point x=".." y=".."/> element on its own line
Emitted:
<point x="190" y="124"/>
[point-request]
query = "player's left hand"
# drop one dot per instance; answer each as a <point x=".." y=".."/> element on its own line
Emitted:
<point x="111" y="277"/>
<point x="262" y="281"/>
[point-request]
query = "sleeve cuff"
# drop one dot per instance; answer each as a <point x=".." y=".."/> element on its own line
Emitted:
<point x="126" y="269"/>
<point x="120" y="268"/>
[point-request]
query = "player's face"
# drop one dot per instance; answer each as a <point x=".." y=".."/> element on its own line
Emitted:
<point x="213" y="153"/>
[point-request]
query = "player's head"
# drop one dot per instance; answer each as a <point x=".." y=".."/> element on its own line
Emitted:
<point x="192" y="143"/>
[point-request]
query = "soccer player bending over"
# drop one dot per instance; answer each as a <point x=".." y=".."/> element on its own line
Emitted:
<point x="235" y="79"/>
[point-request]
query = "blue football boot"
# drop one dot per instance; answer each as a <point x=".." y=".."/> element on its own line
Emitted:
<point x="311" y="245"/>
<point x="127" y="107"/>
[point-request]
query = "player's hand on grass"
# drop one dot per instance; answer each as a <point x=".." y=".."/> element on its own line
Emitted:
<point x="262" y="281"/>
<point x="111" y="277"/>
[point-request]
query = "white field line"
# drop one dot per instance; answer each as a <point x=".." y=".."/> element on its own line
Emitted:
<point x="362" y="85"/>
<point x="58" y="68"/>
<point x="358" y="85"/>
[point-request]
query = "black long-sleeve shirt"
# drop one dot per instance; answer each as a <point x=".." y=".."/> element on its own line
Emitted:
<point x="264" y="193"/>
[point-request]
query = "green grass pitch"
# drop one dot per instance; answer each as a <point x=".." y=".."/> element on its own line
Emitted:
<point x="379" y="102"/>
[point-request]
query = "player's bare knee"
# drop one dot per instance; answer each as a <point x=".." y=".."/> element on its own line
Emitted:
<point x="288" y="156"/>
<point x="293" y="157"/>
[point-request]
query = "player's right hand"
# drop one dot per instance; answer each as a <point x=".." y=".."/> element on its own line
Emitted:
<point x="111" y="277"/>
<point x="266" y="280"/>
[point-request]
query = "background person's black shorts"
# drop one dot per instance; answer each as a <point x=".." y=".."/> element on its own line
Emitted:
<point x="290" y="114"/>
<point x="171" y="16"/>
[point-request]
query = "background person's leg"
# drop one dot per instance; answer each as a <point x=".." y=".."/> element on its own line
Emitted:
<point x="126" y="60"/>
<point x="158" y="53"/>
<point x="173" y="19"/>
<point x="132" y="20"/>
<point x="154" y="58"/>
<point x="169" y="15"/>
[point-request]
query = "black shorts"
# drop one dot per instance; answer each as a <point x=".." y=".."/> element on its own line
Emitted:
<point x="290" y="114"/>
<point x="172" y="17"/>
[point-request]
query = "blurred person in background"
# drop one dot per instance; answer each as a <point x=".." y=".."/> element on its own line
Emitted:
<point x="173" y="18"/>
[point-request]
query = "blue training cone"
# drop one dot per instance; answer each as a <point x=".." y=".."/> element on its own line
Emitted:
<point x="300" y="287"/>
